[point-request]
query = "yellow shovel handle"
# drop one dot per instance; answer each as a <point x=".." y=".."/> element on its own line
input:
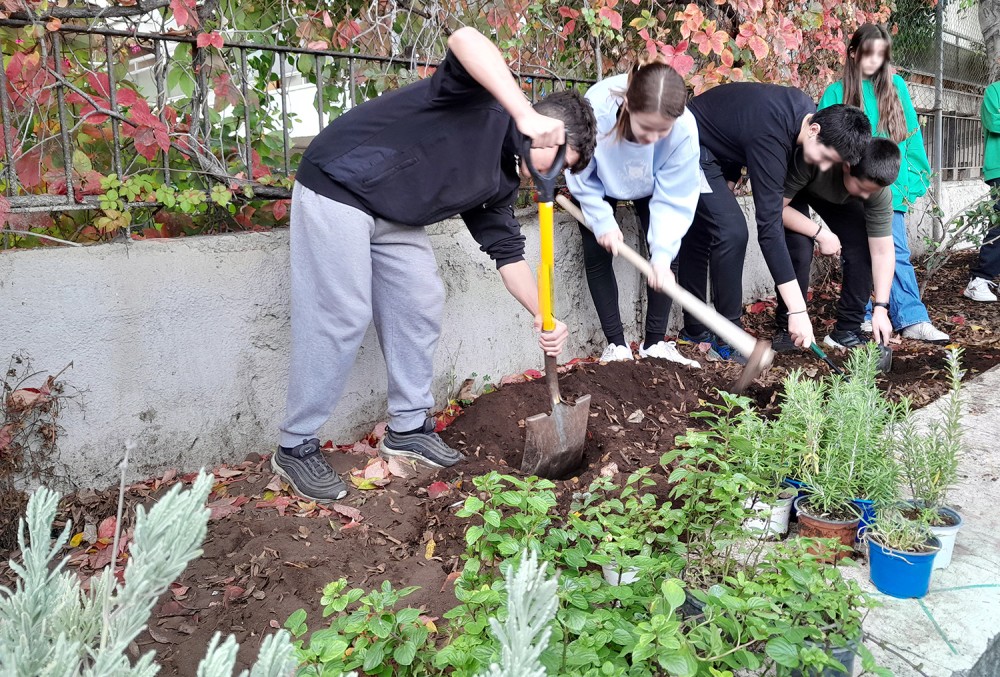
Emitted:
<point x="546" y="268"/>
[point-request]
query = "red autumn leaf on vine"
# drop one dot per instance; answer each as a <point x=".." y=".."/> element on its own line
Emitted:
<point x="184" y="12"/>
<point x="213" y="39"/>
<point x="612" y="16"/>
<point x="710" y="40"/>
<point x="346" y="31"/>
<point x="280" y="209"/>
<point x="100" y="94"/>
<point x="678" y="58"/>
<point x="27" y="81"/>
<point x="690" y="19"/>
<point x="29" y="168"/>
<point x="225" y="93"/>
<point x="146" y="130"/>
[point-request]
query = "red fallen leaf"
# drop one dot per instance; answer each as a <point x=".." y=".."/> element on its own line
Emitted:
<point x="274" y="624"/>
<point x="178" y="590"/>
<point x="513" y="378"/>
<point x="173" y="608"/>
<point x="958" y="319"/>
<point x="328" y="444"/>
<point x="438" y="489"/>
<point x="23" y="398"/>
<point x="100" y="559"/>
<point x="363" y="448"/>
<point x="274" y="485"/>
<point x="233" y="592"/>
<point x="758" y="307"/>
<point x="347" y="511"/>
<point x="452" y="577"/>
<point x="107" y="528"/>
<point x="396" y="466"/>
<point x="378" y="432"/>
<point x="225" y="506"/>
<point x="279" y="503"/>
<point x="533" y="373"/>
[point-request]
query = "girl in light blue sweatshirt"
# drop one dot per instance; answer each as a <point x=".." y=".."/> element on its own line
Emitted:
<point x="647" y="152"/>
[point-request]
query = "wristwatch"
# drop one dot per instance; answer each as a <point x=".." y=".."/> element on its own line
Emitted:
<point x="880" y="304"/>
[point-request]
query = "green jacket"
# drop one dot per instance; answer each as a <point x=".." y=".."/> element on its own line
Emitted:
<point x="989" y="112"/>
<point x="915" y="169"/>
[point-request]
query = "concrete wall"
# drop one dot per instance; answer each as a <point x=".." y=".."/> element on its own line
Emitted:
<point x="182" y="345"/>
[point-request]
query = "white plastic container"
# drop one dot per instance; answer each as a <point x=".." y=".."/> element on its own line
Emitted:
<point x="616" y="575"/>
<point x="771" y="519"/>
<point x="947" y="535"/>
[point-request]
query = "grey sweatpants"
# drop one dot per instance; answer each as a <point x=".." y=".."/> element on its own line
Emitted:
<point x="348" y="268"/>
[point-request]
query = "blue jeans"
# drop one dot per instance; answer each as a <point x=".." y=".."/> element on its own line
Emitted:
<point x="905" y="306"/>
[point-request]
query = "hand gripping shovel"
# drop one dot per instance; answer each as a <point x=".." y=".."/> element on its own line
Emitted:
<point x="757" y="351"/>
<point x="553" y="443"/>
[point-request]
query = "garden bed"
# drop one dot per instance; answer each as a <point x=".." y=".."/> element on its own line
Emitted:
<point x="268" y="554"/>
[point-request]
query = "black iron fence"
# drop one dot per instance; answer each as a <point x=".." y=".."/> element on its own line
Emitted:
<point x="244" y="111"/>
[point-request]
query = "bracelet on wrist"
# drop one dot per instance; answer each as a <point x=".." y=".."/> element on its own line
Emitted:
<point x="818" y="231"/>
<point x="796" y="312"/>
<point x="880" y="304"/>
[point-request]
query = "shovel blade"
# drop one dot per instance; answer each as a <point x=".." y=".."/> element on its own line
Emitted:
<point x="553" y="443"/>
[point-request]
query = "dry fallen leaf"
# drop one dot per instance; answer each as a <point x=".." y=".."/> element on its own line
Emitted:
<point x="636" y="416"/>
<point x="429" y="550"/>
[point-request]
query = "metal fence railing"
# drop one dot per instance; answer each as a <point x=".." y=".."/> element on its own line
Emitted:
<point x="961" y="145"/>
<point x="335" y="82"/>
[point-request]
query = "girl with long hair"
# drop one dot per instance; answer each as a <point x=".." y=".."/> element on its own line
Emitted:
<point x="870" y="83"/>
<point x="647" y="153"/>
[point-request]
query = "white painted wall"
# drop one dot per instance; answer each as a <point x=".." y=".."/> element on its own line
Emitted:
<point x="182" y="345"/>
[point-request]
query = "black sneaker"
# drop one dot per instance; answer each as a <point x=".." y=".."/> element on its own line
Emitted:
<point x="423" y="446"/>
<point x="846" y="339"/>
<point x="782" y="342"/>
<point x="307" y="471"/>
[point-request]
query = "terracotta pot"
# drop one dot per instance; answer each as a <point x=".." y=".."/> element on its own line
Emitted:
<point x="811" y="526"/>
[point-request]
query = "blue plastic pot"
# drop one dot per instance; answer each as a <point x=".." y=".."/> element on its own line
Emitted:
<point x="901" y="574"/>
<point x="802" y="488"/>
<point x="867" y="510"/>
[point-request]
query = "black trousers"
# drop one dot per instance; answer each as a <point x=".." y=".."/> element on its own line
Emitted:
<point x="847" y="221"/>
<point x="604" y="285"/>
<point x="716" y="243"/>
<point x="988" y="265"/>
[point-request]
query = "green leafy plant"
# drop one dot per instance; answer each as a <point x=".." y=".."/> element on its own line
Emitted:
<point x="711" y="497"/>
<point x="928" y="459"/>
<point x="627" y="527"/>
<point x="366" y="632"/>
<point x="893" y="530"/>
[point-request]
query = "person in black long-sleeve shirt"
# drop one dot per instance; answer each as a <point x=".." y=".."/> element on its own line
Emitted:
<point x="757" y="126"/>
<point x="366" y="188"/>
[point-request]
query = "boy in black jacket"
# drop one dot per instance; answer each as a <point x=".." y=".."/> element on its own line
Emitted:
<point x="757" y="126"/>
<point x="365" y="189"/>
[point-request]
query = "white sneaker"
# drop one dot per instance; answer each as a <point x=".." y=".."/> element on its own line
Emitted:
<point x="667" y="350"/>
<point x="980" y="289"/>
<point x="924" y="331"/>
<point x="866" y="326"/>
<point x="616" y="353"/>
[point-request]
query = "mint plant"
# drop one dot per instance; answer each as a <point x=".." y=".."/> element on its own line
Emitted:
<point x="372" y="635"/>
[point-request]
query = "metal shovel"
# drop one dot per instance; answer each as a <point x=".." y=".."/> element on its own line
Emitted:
<point x="553" y="443"/>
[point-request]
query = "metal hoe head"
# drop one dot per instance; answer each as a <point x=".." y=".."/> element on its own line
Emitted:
<point x="553" y="443"/>
<point x="758" y="362"/>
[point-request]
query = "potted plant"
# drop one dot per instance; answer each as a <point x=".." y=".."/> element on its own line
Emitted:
<point x="900" y="555"/>
<point x="630" y="531"/>
<point x="709" y="495"/>
<point x="928" y="461"/>
<point x="755" y="447"/>
<point x="814" y="614"/>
